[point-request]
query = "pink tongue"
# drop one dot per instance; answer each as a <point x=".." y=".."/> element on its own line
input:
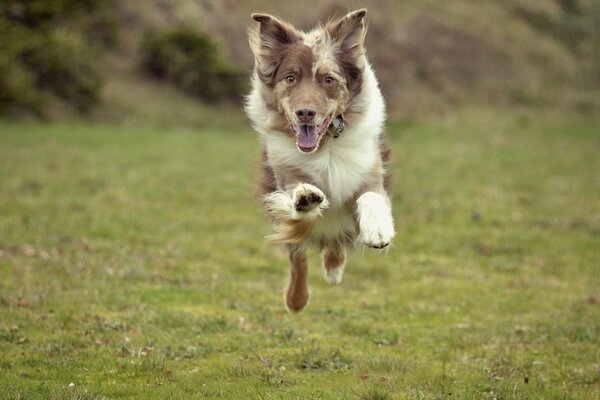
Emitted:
<point x="307" y="137"/>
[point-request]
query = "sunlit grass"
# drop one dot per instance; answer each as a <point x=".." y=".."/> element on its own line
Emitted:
<point x="133" y="265"/>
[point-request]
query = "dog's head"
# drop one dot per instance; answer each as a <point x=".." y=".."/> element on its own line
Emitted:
<point x="309" y="78"/>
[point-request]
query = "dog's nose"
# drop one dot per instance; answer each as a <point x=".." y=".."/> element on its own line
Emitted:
<point x="306" y="115"/>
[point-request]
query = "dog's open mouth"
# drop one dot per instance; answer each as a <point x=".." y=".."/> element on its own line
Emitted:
<point x="308" y="137"/>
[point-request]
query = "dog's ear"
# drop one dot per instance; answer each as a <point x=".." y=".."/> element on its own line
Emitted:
<point x="349" y="32"/>
<point x="267" y="38"/>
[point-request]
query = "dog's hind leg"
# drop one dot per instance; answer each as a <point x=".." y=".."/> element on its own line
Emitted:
<point x="296" y="295"/>
<point x="334" y="261"/>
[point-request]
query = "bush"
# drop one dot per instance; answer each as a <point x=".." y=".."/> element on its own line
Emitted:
<point x="17" y="84"/>
<point x="38" y="14"/>
<point x="41" y="62"/>
<point x="62" y="66"/>
<point x="191" y="60"/>
<point x="36" y="68"/>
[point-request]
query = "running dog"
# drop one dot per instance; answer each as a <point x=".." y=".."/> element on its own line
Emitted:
<point x="319" y="111"/>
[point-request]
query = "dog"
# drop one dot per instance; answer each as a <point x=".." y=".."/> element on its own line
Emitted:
<point x="317" y="106"/>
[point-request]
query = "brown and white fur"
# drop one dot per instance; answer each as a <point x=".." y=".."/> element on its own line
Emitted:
<point x="317" y="188"/>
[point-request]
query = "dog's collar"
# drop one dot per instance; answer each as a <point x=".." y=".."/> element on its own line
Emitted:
<point x="337" y="126"/>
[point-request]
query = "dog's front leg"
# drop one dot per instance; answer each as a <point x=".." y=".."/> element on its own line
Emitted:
<point x="295" y="212"/>
<point x="375" y="221"/>
<point x="308" y="201"/>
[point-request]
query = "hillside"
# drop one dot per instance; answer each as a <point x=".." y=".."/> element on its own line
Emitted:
<point x="429" y="56"/>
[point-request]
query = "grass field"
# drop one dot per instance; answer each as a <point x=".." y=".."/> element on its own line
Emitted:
<point x="133" y="265"/>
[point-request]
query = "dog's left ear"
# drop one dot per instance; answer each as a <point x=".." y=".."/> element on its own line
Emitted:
<point x="349" y="32"/>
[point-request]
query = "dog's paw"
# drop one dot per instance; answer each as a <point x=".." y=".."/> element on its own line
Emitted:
<point x="377" y="233"/>
<point x="307" y="200"/>
<point x="334" y="275"/>
<point x="375" y="221"/>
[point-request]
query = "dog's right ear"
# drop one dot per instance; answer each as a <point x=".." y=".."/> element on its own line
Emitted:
<point x="267" y="38"/>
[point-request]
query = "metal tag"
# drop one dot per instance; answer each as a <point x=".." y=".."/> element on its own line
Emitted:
<point x="338" y="125"/>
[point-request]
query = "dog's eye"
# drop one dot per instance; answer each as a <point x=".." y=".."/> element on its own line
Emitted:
<point x="329" y="80"/>
<point x="290" y="79"/>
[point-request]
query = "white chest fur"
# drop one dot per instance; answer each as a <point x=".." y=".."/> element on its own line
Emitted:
<point x="339" y="169"/>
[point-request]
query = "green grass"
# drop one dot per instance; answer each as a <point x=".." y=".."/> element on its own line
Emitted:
<point x="133" y="265"/>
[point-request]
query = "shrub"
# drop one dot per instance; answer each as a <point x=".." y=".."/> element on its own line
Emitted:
<point x="62" y="66"/>
<point x="36" y="68"/>
<point x="41" y="62"/>
<point x="17" y="84"/>
<point x="38" y="14"/>
<point x="191" y="60"/>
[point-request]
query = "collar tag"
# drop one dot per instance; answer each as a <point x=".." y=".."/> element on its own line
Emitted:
<point x="338" y="125"/>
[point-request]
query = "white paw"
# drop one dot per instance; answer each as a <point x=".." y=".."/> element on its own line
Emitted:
<point x="375" y="221"/>
<point x="377" y="233"/>
<point x="308" y="200"/>
<point x="334" y="275"/>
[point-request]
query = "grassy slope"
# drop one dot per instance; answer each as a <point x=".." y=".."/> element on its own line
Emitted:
<point x="132" y="265"/>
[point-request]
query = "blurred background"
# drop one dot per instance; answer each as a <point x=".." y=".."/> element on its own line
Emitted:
<point x="132" y="259"/>
<point x="116" y="60"/>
